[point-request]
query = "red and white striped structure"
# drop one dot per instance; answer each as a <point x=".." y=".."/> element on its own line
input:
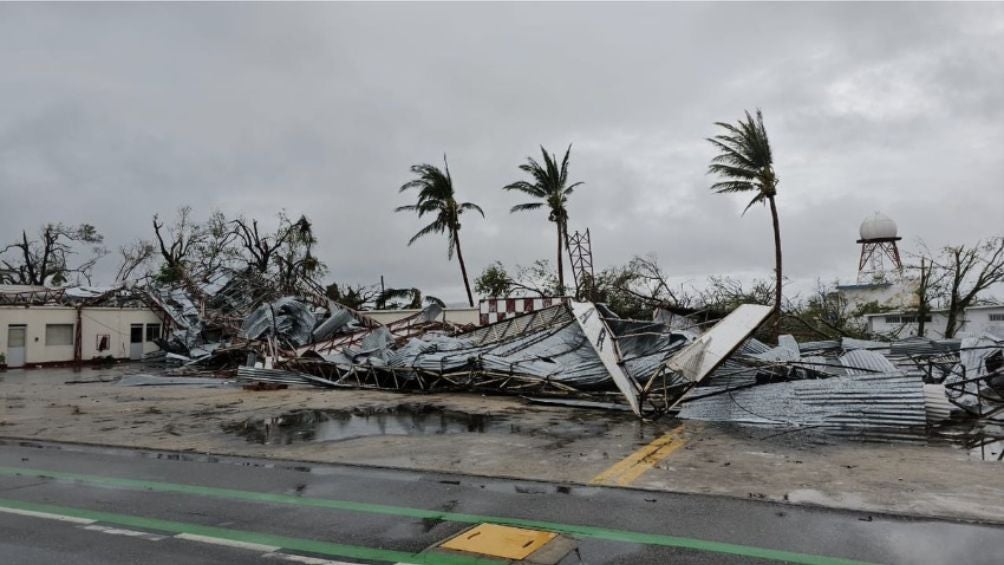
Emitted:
<point x="497" y="309"/>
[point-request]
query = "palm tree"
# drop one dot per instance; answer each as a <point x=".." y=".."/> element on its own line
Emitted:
<point x="435" y="195"/>
<point x="549" y="185"/>
<point x="745" y="164"/>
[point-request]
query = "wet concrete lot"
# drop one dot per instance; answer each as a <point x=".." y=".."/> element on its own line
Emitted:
<point x="500" y="437"/>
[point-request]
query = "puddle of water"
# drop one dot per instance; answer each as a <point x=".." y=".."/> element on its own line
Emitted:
<point x="420" y="419"/>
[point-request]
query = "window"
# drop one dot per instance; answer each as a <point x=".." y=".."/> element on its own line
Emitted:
<point x="906" y="319"/>
<point x="997" y="317"/>
<point x="152" y="332"/>
<point x="59" y="334"/>
<point x="104" y="342"/>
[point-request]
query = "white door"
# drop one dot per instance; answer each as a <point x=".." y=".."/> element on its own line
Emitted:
<point x="16" y="336"/>
<point x="136" y="342"/>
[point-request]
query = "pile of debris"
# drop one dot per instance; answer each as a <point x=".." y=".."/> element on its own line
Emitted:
<point x="878" y="390"/>
<point x="575" y="349"/>
<point x="575" y="353"/>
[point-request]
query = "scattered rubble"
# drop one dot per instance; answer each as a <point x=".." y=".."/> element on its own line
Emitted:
<point x="269" y="336"/>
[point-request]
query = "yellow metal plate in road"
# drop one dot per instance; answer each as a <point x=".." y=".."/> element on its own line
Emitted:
<point x="499" y="541"/>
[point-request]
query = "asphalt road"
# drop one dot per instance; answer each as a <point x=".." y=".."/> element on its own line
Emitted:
<point x="63" y="504"/>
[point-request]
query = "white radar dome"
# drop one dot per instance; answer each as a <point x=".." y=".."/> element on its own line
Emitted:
<point x="878" y="226"/>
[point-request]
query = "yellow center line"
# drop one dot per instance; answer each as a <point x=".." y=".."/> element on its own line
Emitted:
<point x="627" y="470"/>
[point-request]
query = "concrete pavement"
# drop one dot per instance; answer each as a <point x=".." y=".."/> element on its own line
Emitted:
<point x="348" y="513"/>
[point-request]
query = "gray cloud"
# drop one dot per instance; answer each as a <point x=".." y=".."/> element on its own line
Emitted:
<point x="115" y="112"/>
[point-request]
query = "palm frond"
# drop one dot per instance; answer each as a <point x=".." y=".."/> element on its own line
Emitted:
<point x="729" y="186"/>
<point x="435" y="227"/>
<point x="572" y="187"/>
<point x="525" y="207"/>
<point x="760" y="198"/>
<point x="729" y="171"/>
<point x="525" y="187"/>
<point x="472" y="206"/>
<point x="744" y="162"/>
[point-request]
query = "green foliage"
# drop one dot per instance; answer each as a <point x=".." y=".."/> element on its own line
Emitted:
<point x="745" y="162"/>
<point x="436" y="196"/>
<point x="872" y="307"/>
<point x="536" y="279"/>
<point x="399" y="299"/>
<point x="494" y="281"/>
<point x="169" y="274"/>
<point x="550" y="186"/>
<point x="354" y="297"/>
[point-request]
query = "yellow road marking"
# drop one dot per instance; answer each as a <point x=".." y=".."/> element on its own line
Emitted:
<point x="627" y="470"/>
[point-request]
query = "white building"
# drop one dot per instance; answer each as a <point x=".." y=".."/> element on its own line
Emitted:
<point x="35" y="330"/>
<point x="976" y="321"/>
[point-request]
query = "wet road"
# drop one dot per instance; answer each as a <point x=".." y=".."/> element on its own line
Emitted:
<point x="62" y="503"/>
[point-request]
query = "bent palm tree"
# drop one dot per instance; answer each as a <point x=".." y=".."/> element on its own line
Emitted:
<point x="435" y="195"/>
<point x="745" y="164"/>
<point x="548" y="185"/>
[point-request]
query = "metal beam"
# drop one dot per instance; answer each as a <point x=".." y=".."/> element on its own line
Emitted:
<point x="602" y="340"/>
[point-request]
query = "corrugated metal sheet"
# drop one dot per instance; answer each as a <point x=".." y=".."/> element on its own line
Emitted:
<point x="892" y="400"/>
<point x="939" y="408"/>
<point x="863" y="361"/>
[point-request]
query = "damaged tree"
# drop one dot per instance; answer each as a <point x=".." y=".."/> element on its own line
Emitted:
<point x="295" y="261"/>
<point x="215" y="250"/>
<point x="745" y="164"/>
<point x="550" y="186"/>
<point x="260" y="246"/>
<point x="968" y="271"/>
<point x="355" y="297"/>
<point x="176" y="242"/>
<point x="536" y="279"/>
<point x="436" y="195"/>
<point x="133" y="256"/>
<point x="46" y="259"/>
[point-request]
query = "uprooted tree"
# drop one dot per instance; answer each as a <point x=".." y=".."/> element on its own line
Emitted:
<point x="47" y="258"/>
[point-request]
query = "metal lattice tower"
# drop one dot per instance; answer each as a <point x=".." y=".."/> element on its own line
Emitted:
<point x="872" y="265"/>
<point x="878" y="244"/>
<point x="580" y="255"/>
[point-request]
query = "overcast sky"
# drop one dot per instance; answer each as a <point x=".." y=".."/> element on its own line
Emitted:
<point x="111" y="113"/>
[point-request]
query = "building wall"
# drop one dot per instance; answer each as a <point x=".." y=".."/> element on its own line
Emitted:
<point x="880" y="324"/>
<point x="899" y="294"/>
<point x="976" y="321"/>
<point x="985" y="319"/>
<point x="115" y="323"/>
<point x="452" y="315"/>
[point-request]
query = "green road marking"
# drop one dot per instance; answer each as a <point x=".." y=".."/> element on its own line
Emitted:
<point x="288" y="543"/>
<point x="350" y="506"/>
